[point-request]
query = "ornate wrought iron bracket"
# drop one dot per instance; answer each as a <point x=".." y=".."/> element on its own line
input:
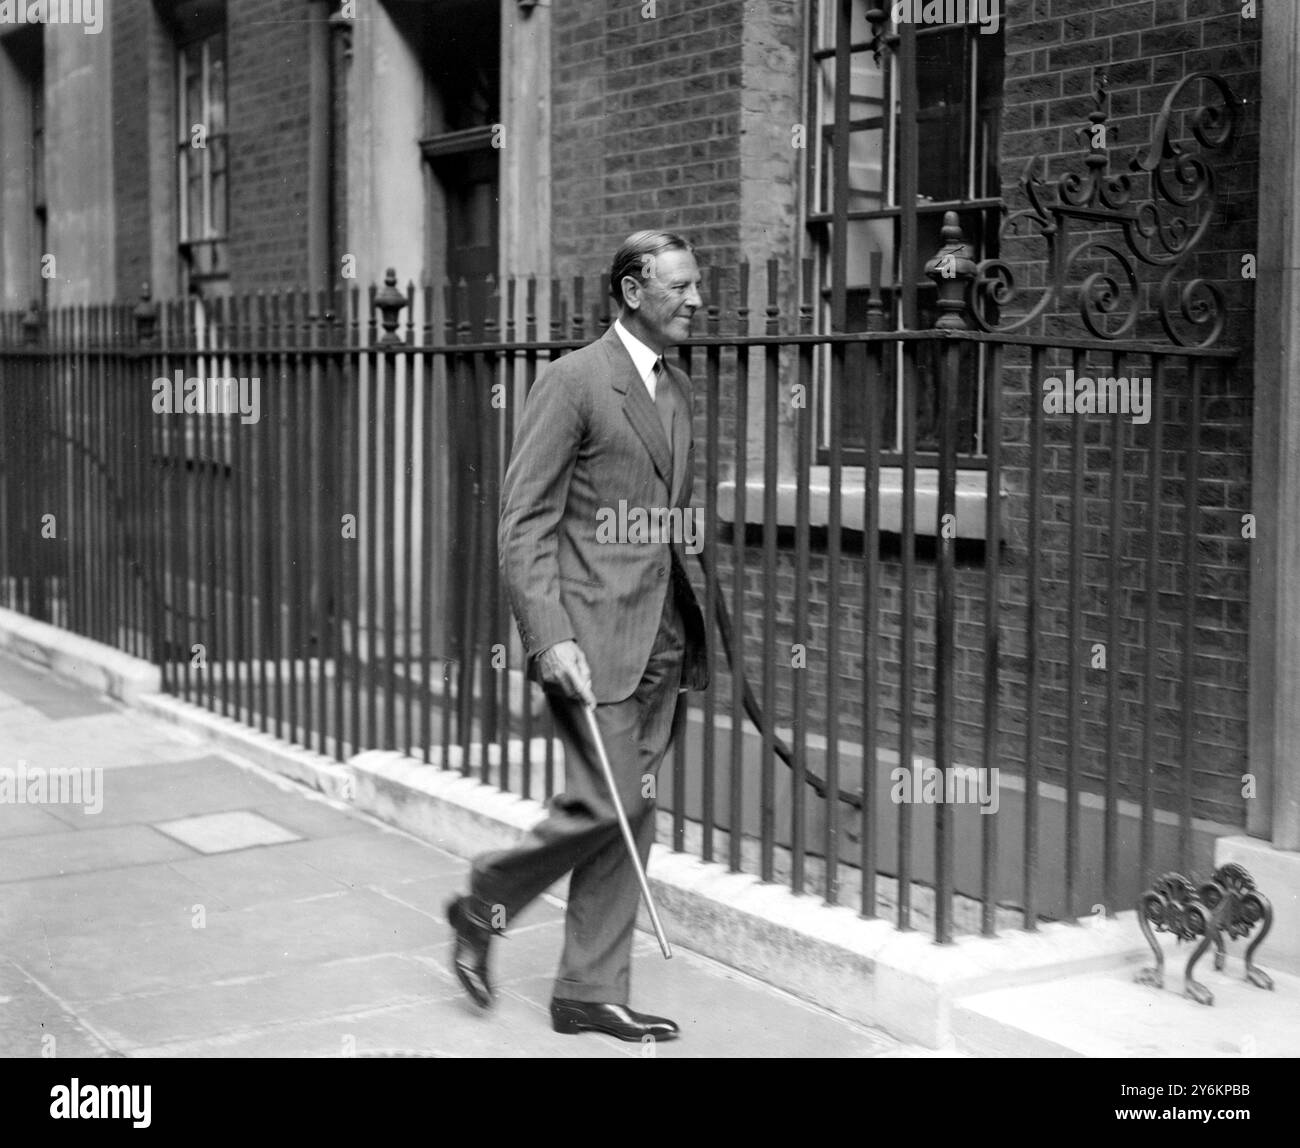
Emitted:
<point x="1227" y="903"/>
<point x="1093" y="221"/>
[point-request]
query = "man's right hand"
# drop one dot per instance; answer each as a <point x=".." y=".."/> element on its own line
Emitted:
<point x="564" y="668"/>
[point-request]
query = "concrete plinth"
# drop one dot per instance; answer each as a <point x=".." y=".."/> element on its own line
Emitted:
<point x="1277" y="876"/>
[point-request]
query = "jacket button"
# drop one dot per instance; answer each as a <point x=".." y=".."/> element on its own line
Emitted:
<point x="661" y="571"/>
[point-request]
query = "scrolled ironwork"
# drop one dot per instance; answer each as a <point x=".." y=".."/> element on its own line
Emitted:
<point x="1228" y="904"/>
<point x="1101" y="294"/>
<point x="1092" y="211"/>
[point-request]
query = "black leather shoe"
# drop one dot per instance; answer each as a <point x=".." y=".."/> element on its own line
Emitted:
<point x="612" y="1019"/>
<point x="470" y="953"/>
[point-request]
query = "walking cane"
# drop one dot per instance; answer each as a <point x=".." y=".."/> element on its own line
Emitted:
<point x="627" y="831"/>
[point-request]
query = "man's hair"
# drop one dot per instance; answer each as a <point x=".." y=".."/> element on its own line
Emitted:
<point x="631" y="257"/>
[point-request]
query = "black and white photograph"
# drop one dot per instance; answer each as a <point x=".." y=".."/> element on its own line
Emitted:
<point x="656" y="529"/>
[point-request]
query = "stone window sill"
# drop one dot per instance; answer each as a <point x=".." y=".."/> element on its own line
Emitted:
<point x="971" y="500"/>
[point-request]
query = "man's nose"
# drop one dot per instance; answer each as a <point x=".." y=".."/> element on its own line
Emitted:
<point x="693" y="300"/>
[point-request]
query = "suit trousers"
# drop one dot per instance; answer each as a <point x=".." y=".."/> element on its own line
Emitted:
<point x="581" y="834"/>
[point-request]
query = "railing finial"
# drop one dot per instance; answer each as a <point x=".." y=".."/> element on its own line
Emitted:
<point x="32" y="322"/>
<point x="145" y="315"/>
<point x="390" y="301"/>
<point x="952" y="268"/>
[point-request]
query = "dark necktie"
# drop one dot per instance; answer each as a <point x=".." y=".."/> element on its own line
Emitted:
<point x="665" y="402"/>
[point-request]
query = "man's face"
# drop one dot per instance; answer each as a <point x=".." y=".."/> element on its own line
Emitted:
<point x="668" y="298"/>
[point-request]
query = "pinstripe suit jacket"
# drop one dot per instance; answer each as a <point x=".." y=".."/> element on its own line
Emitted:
<point x="589" y="438"/>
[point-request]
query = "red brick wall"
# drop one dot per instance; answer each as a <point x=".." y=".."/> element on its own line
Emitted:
<point x="646" y="127"/>
<point x="131" y="168"/>
<point x="268" y="142"/>
<point x="267" y="119"/>
<point x="1053" y="47"/>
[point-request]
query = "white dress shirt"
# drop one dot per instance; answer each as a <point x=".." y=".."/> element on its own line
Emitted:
<point x="643" y="358"/>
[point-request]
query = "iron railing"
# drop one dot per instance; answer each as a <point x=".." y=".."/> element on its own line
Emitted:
<point x="317" y="557"/>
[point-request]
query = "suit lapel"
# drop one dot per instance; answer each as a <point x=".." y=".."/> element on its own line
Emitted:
<point x="640" y="411"/>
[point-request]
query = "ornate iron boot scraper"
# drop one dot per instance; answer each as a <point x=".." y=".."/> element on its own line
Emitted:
<point x="1227" y="903"/>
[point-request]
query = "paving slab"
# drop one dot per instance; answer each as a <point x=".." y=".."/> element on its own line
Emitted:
<point x="382" y="858"/>
<point x="33" y="1023"/>
<point x="253" y="877"/>
<point x="117" y="939"/>
<point x="29" y="821"/>
<point x="111" y="747"/>
<point x="25" y="684"/>
<point x="23" y="858"/>
<point x="445" y="1026"/>
<point x="225" y="1007"/>
<point x="227" y="831"/>
<point x="84" y="902"/>
<point x="313" y="818"/>
<point x="125" y="958"/>
<point x="155" y="792"/>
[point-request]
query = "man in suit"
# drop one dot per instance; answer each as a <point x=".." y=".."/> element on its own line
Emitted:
<point x="606" y="623"/>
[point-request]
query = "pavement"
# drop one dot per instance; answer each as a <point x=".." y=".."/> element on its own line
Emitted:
<point x="172" y="902"/>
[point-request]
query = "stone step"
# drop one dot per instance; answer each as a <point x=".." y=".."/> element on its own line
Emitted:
<point x="1108" y="1014"/>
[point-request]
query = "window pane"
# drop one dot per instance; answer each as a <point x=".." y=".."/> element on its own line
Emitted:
<point x="217" y="85"/>
<point x="867" y="161"/>
<point x="942" y="79"/>
<point x="203" y="171"/>
<point x="988" y="94"/>
<point x="192" y="95"/>
<point x="866" y="87"/>
<point x="941" y="75"/>
<point x="217" y="149"/>
<point x="864" y="237"/>
<point x="851" y="410"/>
<point x="194" y="197"/>
<point x="866" y="170"/>
<point x="859" y="28"/>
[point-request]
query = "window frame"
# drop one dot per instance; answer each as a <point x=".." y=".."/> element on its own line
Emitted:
<point x="209" y="276"/>
<point x="826" y="204"/>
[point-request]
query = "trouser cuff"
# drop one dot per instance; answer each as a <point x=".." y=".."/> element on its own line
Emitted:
<point x="590" y="994"/>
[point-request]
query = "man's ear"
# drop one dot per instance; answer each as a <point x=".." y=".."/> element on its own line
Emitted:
<point x="632" y="300"/>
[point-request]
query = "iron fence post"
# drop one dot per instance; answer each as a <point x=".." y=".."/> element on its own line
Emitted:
<point x="952" y="268"/>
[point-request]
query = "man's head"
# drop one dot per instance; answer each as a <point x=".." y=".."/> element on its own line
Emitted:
<point x="656" y="282"/>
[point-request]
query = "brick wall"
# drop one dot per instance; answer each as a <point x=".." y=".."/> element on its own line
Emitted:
<point x="131" y="168"/>
<point x="268" y="143"/>
<point x="646" y="127"/>
<point x="1054" y="52"/>
<point x="1053" y="47"/>
<point x="267" y="121"/>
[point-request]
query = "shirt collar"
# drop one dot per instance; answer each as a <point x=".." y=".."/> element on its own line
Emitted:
<point x="643" y="358"/>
